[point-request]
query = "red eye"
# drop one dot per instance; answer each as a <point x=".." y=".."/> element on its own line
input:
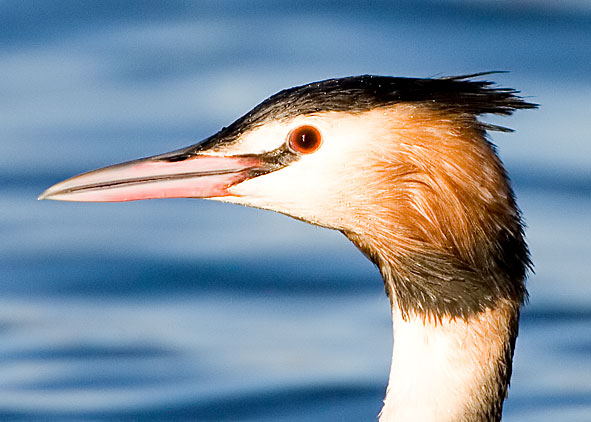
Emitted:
<point x="305" y="139"/>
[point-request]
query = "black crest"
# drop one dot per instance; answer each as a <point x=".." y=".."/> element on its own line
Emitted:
<point x="456" y="94"/>
<point x="361" y="93"/>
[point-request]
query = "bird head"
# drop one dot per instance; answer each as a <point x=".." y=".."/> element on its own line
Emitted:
<point x="402" y="166"/>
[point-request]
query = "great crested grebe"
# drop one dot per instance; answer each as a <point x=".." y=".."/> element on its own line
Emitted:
<point x="403" y="168"/>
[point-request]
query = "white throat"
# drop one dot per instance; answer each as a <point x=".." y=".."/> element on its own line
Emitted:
<point x="444" y="370"/>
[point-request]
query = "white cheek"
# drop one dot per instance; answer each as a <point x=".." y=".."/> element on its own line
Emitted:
<point x="314" y="188"/>
<point x="297" y="190"/>
<point x="318" y="187"/>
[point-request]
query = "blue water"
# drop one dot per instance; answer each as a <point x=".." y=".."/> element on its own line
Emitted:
<point x="191" y="310"/>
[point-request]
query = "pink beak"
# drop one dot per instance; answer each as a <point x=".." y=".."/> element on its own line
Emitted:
<point x="172" y="175"/>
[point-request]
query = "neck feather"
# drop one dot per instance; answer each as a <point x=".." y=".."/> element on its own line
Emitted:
<point x="451" y="369"/>
<point x="445" y="231"/>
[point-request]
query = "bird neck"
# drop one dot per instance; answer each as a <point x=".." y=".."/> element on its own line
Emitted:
<point x="455" y="327"/>
<point x="451" y="369"/>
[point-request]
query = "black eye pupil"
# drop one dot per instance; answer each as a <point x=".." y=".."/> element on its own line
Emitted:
<point x="305" y="139"/>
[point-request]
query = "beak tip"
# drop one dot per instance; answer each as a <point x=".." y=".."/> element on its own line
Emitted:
<point x="45" y="195"/>
<point x="48" y="194"/>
